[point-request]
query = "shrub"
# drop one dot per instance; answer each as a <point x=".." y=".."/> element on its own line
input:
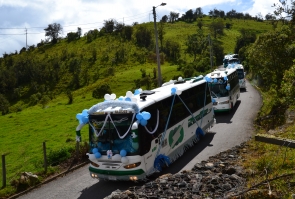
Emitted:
<point x="101" y="91"/>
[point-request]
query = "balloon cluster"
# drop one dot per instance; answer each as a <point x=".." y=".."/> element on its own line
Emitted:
<point x="143" y="117"/>
<point x="83" y="117"/>
<point x="109" y="97"/>
<point x="96" y="153"/>
<point x="174" y="91"/>
<point x="137" y="91"/>
<point x="117" y="157"/>
<point x="129" y="97"/>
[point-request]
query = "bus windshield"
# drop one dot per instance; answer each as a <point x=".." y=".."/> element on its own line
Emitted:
<point x="218" y="90"/>
<point x="108" y="133"/>
<point x="241" y="73"/>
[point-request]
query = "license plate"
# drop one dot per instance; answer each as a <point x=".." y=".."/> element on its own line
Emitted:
<point x="112" y="178"/>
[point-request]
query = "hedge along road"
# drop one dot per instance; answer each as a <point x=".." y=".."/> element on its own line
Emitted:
<point x="230" y="130"/>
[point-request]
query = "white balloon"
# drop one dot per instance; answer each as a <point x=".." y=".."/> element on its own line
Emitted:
<point x="124" y="160"/>
<point x="113" y="96"/>
<point x="133" y="99"/>
<point x="140" y="90"/>
<point x="179" y="78"/>
<point x="117" y="157"/>
<point x="178" y="92"/>
<point x="129" y="94"/>
<point x="107" y="97"/>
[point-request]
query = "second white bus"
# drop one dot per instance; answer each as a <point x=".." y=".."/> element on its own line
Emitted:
<point x="224" y="88"/>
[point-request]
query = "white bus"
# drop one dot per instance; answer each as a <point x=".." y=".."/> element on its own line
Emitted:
<point x="241" y="74"/>
<point x="224" y="88"/>
<point x="138" y="134"/>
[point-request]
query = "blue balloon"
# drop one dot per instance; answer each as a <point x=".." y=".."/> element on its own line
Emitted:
<point x="85" y="120"/>
<point x="213" y="100"/>
<point x="85" y="112"/>
<point x="225" y="78"/>
<point x="136" y="92"/>
<point x="97" y="155"/>
<point x="139" y="116"/>
<point x="94" y="150"/>
<point x="227" y="87"/>
<point x="123" y="152"/>
<point x="173" y="90"/>
<point x="215" y="80"/>
<point x="146" y="115"/>
<point x="120" y="98"/>
<point x="128" y="99"/>
<point x="143" y="122"/>
<point x="209" y="79"/>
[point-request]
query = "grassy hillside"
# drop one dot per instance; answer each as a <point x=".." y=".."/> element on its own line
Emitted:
<point x="23" y="132"/>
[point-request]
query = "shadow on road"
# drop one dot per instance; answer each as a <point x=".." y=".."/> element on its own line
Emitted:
<point x="104" y="188"/>
<point x="225" y="117"/>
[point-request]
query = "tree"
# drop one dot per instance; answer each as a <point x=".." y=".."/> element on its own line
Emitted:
<point x="4" y="105"/>
<point x="246" y="38"/>
<point x="173" y="16"/>
<point x="52" y="31"/>
<point x="198" y="13"/>
<point x="164" y="19"/>
<point x="109" y="25"/>
<point x="271" y="55"/>
<point x="143" y="36"/>
<point x="285" y="11"/>
<point x="79" y="32"/>
<point x="189" y="15"/>
<point x="127" y="32"/>
<point x="216" y="28"/>
<point x="161" y="32"/>
<point x="196" y="44"/>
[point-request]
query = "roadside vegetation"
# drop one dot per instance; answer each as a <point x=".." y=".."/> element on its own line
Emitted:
<point x="42" y="88"/>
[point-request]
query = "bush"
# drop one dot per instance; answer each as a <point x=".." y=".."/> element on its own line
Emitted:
<point x="58" y="156"/>
<point x="101" y="91"/>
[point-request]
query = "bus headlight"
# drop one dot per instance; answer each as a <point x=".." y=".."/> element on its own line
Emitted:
<point x="94" y="175"/>
<point x="224" y="102"/>
<point x="94" y="164"/>
<point x="131" y="166"/>
<point x="133" y="178"/>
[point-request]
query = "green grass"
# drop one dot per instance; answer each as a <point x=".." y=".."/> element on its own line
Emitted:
<point x="23" y="133"/>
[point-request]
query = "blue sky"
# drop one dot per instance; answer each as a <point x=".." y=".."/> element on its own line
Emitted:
<point x="19" y="17"/>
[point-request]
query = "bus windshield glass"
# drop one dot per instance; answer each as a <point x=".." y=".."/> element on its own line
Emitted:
<point x="240" y="73"/>
<point x="107" y="133"/>
<point x="218" y="90"/>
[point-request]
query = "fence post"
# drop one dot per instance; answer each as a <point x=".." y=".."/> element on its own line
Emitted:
<point x="45" y="158"/>
<point x="3" y="170"/>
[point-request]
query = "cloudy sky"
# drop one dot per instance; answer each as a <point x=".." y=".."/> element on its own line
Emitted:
<point x="23" y="21"/>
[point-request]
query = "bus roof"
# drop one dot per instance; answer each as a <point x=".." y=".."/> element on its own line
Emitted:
<point x="146" y="97"/>
<point x="221" y="72"/>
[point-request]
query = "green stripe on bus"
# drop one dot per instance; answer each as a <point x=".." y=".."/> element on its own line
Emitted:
<point x="116" y="173"/>
<point x="222" y="110"/>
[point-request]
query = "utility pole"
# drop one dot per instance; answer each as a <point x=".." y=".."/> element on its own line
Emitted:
<point x="211" y="54"/>
<point x="157" y="46"/>
<point x="26" y="40"/>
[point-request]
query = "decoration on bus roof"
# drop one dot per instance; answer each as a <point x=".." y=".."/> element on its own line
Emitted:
<point x="175" y="90"/>
<point x="83" y="117"/>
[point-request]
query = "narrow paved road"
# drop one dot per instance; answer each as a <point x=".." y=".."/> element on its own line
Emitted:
<point x="230" y="130"/>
